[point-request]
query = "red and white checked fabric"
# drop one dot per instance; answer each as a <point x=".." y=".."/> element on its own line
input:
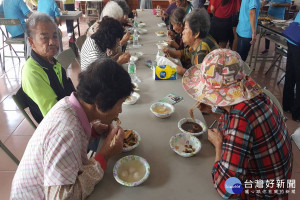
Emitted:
<point x="56" y="151"/>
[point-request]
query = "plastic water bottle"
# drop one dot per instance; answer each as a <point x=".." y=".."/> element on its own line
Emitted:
<point x="135" y="38"/>
<point x="132" y="70"/>
<point x="135" y="22"/>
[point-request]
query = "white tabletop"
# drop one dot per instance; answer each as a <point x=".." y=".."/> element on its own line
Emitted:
<point x="72" y="15"/>
<point x="172" y="177"/>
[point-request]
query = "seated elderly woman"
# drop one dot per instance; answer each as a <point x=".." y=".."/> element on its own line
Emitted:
<point x="195" y="36"/>
<point x="186" y="5"/>
<point x="176" y="19"/>
<point x="55" y="163"/>
<point x="103" y="43"/>
<point x="44" y="80"/>
<point x="252" y="141"/>
<point x="116" y="10"/>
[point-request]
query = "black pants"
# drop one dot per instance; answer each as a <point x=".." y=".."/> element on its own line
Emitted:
<point x="292" y="79"/>
<point x="243" y="47"/>
<point x="69" y="23"/>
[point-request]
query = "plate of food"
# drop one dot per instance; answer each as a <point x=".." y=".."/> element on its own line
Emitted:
<point x="194" y="127"/>
<point x="142" y="31"/>
<point x="161" y="25"/>
<point x="131" y="140"/>
<point x="141" y="24"/>
<point x="137" y="54"/>
<point x="132" y="99"/>
<point x="162" y="110"/>
<point x="161" y="45"/>
<point x="131" y="170"/>
<point x="64" y="12"/>
<point x="185" y="145"/>
<point x="160" y="33"/>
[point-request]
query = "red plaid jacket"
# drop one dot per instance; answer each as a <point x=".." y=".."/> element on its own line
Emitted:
<point x="256" y="147"/>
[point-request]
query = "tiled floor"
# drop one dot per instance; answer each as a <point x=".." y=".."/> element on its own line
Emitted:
<point x="15" y="131"/>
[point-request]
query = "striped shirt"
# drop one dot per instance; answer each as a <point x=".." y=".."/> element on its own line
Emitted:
<point x="256" y="146"/>
<point x="90" y="52"/>
<point x="207" y="45"/>
<point x="56" y="156"/>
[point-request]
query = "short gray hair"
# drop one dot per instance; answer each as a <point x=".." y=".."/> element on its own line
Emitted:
<point x="177" y="16"/>
<point x="35" y="18"/>
<point x="123" y="4"/>
<point x="113" y="10"/>
<point x="199" y="22"/>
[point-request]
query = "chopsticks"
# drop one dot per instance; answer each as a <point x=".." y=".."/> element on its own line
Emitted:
<point x="212" y="125"/>
<point x="113" y="141"/>
<point x="192" y="110"/>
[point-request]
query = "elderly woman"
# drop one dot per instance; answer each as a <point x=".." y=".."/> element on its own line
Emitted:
<point x="176" y="20"/>
<point x="103" y="43"/>
<point x="114" y="10"/>
<point x="252" y="141"/>
<point x="186" y="5"/>
<point x="55" y="163"/>
<point x="195" y="36"/>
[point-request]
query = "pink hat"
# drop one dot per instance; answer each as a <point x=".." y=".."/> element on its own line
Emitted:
<point x="220" y="80"/>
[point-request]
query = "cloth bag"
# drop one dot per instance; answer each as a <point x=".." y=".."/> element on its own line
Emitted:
<point x="292" y="32"/>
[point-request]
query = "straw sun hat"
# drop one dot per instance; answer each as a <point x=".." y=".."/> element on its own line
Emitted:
<point x="220" y="80"/>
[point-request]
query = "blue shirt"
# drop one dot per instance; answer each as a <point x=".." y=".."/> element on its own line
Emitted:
<point x="1" y="8"/>
<point x="244" y="27"/>
<point x="15" y="9"/>
<point x="277" y="12"/>
<point x="49" y="7"/>
<point x="297" y="19"/>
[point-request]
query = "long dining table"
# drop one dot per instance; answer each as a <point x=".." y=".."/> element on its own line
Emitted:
<point x="172" y="177"/>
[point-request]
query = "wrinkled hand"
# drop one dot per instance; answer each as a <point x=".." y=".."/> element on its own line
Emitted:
<point x="252" y="42"/>
<point x="215" y="137"/>
<point x="171" y="34"/>
<point x="125" y="38"/>
<point x="204" y="108"/>
<point x="124" y="58"/>
<point x="134" y="13"/>
<point x="165" y="50"/>
<point x="101" y="129"/>
<point x="107" y="150"/>
<point x="180" y="70"/>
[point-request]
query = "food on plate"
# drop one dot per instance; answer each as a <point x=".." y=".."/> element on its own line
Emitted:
<point x="162" y="109"/>
<point x="264" y="18"/>
<point x="131" y="37"/>
<point x="188" y="149"/>
<point x="132" y="171"/>
<point x="191" y="127"/>
<point x="160" y="32"/>
<point x="118" y="121"/>
<point x="130" y="98"/>
<point x="130" y="138"/>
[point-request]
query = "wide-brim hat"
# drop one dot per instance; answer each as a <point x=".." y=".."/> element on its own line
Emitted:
<point x="220" y="80"/>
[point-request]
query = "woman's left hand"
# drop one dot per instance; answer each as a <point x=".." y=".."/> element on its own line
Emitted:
<point x="101" y="129"/>
<point x="215" y="137"/>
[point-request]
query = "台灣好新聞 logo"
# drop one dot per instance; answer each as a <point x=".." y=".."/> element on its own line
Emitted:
<point x="233" y="186"/>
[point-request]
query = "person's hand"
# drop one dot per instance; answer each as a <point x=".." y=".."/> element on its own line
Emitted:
<point x="125" y="38"/>
<point x="253" y="38"/>
<point x="212" y="9"/>
<point x="134" y="13"/>
<point x="101" y="129"/>
<point x="171" y="34"/>
<point x="215" y="138"/>
<point x="204" y="108"/>
<point x="113" y="144"/>
<point x="180" y="70"/>
<point x="124" y="58"/>
<point x="171" y="43"/>
<point x="165" y="50"/>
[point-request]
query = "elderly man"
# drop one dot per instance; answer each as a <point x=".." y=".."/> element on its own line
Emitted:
<point x="195" y="36"/>
<point x="16" y="9"/>
<point x="55" y="163"/>
<point x="252" y="142"/>
<point x="44" y="81"/>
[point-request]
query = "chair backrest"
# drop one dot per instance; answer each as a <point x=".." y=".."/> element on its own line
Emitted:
<point x="275" y="100"/>
<point x="19" y="99"/>
<point x="247" y="69"/>
<point x="10" y="22"/>
<point x="66" y="58"/>
<point x="79" y="42"/>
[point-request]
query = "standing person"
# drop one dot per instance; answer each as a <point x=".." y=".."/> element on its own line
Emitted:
<point x="292" y="79"/>
<point x="70" y="6"/>
<point x="221" y="23"/>
<point x="16" y="9"/>
<point x="235" y="21"/>
<point x="55" y="163"/>
<point x="246" y="28"/>
<point x="252" y="141"/>
<point x="277" y="10"/>
<point x="49" y="7"/>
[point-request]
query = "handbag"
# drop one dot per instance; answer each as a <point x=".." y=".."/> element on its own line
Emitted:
<point x="292" y="32"/>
